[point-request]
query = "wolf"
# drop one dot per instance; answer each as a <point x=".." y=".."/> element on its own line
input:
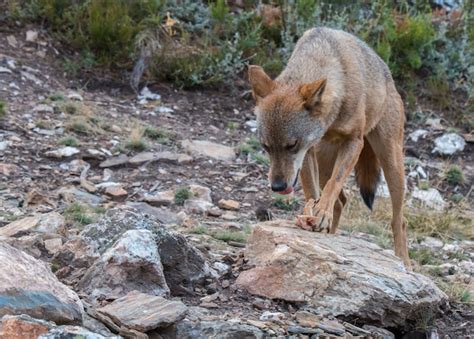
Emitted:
<point x="334" y="108"/>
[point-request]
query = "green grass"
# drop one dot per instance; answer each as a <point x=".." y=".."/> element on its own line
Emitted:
<point x="232" y="125"/>
<point x="199" y="230"/>
<point x="3" y="109"/>
<point x="69" y="141"/>
<point x="226" y="236"/>
<point x="286" y="203"/>
<point x="457" y="292"/>
<point x="81" y="214"/>
<point x="57" y="97"/>
<point x="424" y="256"/>
<point x="160" y="135"/>
<point x="181" y="195"/>
<point x="261" y="159"/>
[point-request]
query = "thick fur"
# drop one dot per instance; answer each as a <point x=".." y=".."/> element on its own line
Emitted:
<point x="332" y="109"/>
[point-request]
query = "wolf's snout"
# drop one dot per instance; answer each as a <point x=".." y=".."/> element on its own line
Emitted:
<point x="279" y="185"/>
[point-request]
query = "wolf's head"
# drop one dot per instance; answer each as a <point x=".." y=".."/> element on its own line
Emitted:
<point x="290" y="120"/>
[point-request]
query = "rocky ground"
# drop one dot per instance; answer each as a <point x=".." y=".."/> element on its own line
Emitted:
<point x="146" y="203"/>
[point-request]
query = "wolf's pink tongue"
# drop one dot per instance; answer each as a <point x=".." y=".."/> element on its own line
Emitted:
<point x="287" y="191"/>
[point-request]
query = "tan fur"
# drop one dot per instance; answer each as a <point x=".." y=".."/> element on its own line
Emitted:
<point x="334" y="106"/>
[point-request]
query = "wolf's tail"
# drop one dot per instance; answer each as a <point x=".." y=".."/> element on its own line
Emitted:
<point x="367" y="174"/>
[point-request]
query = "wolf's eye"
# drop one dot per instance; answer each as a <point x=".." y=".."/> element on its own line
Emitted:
<point x="265" y="147"/>
<point x="292" y="146"/>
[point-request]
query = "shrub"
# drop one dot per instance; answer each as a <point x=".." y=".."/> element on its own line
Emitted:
<point x="181" y="195"/>
<point x="454" y="175"/>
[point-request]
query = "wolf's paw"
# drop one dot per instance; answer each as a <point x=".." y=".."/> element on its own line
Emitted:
<point x="314" y="218"/>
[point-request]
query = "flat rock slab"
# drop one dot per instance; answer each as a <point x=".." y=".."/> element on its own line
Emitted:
<point x="209" y="149"/>
<point x="144" y="312"/>
<point x="42" y="223"/>
<point x="27" y="286"/>
<point x="337" y="275"/>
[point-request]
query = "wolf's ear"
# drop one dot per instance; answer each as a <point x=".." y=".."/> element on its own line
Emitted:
<point x="261" y="83"/>
<point x="312" y="93"/>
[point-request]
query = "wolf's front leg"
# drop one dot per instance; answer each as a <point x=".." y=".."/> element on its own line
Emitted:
<point x="318" y="215"/>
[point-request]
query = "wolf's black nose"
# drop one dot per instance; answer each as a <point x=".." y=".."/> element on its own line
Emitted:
<point x="278" y="185"/>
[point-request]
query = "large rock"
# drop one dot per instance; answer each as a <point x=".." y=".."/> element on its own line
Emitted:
<point x="337" y="275"/>
<point x="27" y="286"/>
<point x="78" y="254"/>
<point x="183" y="264"/>
<point x="216" y="329"/>
<point x="23" y="327"/>
<point x="144" y="312"/>
<point x="132" y="263"/>
<point x="42" y="223"/>
<point x="209" y="149"/>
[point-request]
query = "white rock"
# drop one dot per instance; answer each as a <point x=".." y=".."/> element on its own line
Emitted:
<point x="31" y="36"/>
<point x="146" y="95"/>
<point x="42" y="108"/>
<point x="272" y="316"/>
<point x="419" y="133"/>
<point x="5" y="70"/>
<point x="75" y="96"/>
<point x="430" y="198"/>
<point x="449" y="143"/>
<point x="43" y="223"/>
<point x="433" y="243"/>
<point x="62" y="152"/>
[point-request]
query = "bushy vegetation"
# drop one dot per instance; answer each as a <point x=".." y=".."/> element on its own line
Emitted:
<point x="205" y="43"/>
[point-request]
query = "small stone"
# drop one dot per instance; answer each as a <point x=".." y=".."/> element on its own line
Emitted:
<point x="9" y="169"/>
<point x="229" y="216"/>
<point x="31" y="36"/>
<point x="307" y="319"/>
<point x="5" y="70"/>
<point x="229" y="204"/>
<point x="116" y="191"/>
<point x="432" y="243"/>
<point x="430" y="198"/>
<point x="221" y="267"/>
<point x="225" y="283"/>
<point x="72" y="195"/>
<point x="53" y="245"/>
<point x="272" y="316"/>
<point x="144" y="312"/>
<point x="115" y="129"/>
<point x="62" y="152"/>
<point x="332" y="327"/>
<point x="75" y="96"/>
<point x="419" y="133"/>
<point x="12" y="41"/>
<point x="115" y="161"/>
<point x="209" y="149"/>
<point x="303" y="330"/>
<point x="214" y="212"/>
<point x="164" y="198"/>
<point x="210" y="298"/>
<point x="42" y="108"/>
